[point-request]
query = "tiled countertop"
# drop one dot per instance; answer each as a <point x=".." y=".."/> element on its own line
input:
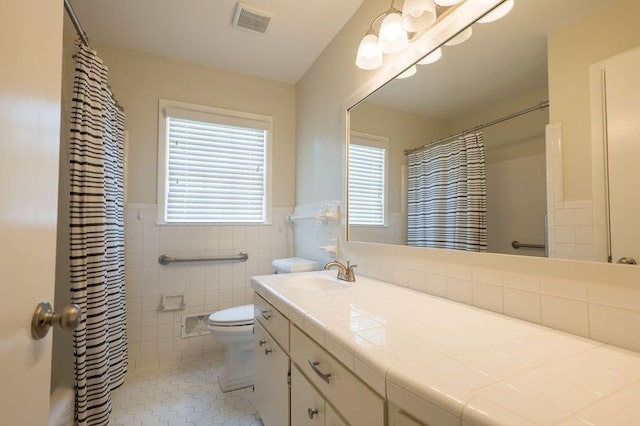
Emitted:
<point x="455" y="364"/>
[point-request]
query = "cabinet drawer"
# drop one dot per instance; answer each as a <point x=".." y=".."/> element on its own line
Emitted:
<point x="272" y="320"/>
<point x="353" y="399"/>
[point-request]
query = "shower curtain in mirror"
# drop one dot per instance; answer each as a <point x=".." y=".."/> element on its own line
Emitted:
<point x="447" y="206"/>
<point x="97" y="239"/>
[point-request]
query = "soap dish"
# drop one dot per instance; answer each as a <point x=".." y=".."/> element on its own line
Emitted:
<point x="174" y="302"/>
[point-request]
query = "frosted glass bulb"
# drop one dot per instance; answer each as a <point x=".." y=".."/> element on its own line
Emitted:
<point x="418" y="15"/>
<point x="393" y="38"/>
<point x="369" y="56"/>
<point x="447" y="3"/>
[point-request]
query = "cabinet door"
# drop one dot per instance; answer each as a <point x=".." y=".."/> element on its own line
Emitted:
<point x="332" y="418"/>
<point x="271" y="379"/>
<point x="307" y="406"/>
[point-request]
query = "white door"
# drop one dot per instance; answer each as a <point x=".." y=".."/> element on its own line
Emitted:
<point x="617" y="117"/>
<point x="30" y="77"/>
<point x="623" y="142"/>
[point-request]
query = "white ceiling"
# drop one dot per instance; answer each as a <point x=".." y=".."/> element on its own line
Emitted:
<point x="201" y="31"/>
<point x="502" y="61"/>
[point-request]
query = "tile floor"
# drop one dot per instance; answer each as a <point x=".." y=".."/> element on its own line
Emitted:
<point x="185" y="394"/>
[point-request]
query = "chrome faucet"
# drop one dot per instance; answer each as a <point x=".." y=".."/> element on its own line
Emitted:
<point x="345" y="273"/>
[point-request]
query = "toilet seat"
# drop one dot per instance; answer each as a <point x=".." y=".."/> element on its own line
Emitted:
<point x="232" y="317"/>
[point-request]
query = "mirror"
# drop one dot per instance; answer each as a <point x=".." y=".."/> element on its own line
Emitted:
<point x="511" y="66"/>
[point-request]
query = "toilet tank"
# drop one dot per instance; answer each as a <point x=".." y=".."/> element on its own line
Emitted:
<point x="294" y="264"/>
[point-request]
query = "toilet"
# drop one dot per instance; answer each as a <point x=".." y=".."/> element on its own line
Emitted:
<point x="233" y="328"/>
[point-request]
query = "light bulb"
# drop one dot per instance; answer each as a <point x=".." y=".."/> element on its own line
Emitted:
<point x="418" y="15"/>
<point x="369" y="56"/>
<point x="460" y="38"/>
<point x="497" y="13"/>
<point x="408" y="72"/>
<point x="393" y="38"/>
<point x="431" y="57"/>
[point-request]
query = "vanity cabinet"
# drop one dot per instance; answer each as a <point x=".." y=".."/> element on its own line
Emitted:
<point x="308" y="407"/>
<point x="354" y="400"/>
<point x="297" y="382"/>
<point x="271" y="363"/>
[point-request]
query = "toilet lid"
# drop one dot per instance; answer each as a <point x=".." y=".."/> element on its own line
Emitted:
<point x="238" y="315"/>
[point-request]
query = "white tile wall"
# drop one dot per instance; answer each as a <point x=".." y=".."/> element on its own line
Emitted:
<point x="154" y="337"/>
<point x="596" y="300"/>
<point x="570" y="223"/>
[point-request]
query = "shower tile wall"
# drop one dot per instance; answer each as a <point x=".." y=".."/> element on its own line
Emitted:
<point x="570" y="223"/>
<point x="154" y="337"/>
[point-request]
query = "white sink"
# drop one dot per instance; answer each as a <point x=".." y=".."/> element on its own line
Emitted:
<point x="315" y="283"/>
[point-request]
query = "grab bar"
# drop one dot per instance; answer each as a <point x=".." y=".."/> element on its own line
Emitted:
<point x="518" y="244"/>
<point x="165" y="260"/>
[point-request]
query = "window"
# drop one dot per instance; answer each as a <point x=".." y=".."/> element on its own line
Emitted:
<point x="213" y="165"/>
<point x="367" y="179"/>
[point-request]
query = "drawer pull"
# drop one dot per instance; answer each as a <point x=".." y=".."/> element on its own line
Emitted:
<point x="262" y="342"/>
<point x="265" y="314"/>
<point x="311" y="412"/>
<point x="314" y="366"/>
<point x="267" y="352"/>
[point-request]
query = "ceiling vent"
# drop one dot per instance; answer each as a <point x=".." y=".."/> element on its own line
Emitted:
<point x="250" y="18"/>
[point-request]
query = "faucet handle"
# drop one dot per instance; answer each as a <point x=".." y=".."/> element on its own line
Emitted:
<point x="349" y="266"/>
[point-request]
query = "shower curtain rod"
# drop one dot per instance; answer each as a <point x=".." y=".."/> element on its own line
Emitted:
<point x="80" y="31"/>
<point x="540" y="106"/>
<point x="76" y="23"/>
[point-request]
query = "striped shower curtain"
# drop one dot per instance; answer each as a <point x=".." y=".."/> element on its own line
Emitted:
<point x="447" y="201"/>
<point x="97" y="239"/>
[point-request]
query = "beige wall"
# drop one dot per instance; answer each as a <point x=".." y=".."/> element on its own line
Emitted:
<point x="572" y="50"/>
<point x="138" y="80"/>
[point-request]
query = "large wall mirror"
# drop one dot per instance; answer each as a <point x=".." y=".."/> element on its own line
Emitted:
<point x="514" y="77"/>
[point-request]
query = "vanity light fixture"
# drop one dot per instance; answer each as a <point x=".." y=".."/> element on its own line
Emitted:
<point x="394" y="32"/>
<point x="398" y="31"/>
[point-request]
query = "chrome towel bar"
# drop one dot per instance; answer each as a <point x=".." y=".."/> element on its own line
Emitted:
<point x="165" y="260"/>
<point x="518" y="244"/>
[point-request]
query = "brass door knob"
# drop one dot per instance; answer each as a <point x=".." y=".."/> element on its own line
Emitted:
<point x="44" y="318"/>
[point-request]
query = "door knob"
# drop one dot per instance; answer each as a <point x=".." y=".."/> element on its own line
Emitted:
<point x="44" y="318"/>
<point x="627" y="261"/>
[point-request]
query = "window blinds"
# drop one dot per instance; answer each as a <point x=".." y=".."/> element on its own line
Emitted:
<point x="366" y="185"/>
<point x="215" y="172"/>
